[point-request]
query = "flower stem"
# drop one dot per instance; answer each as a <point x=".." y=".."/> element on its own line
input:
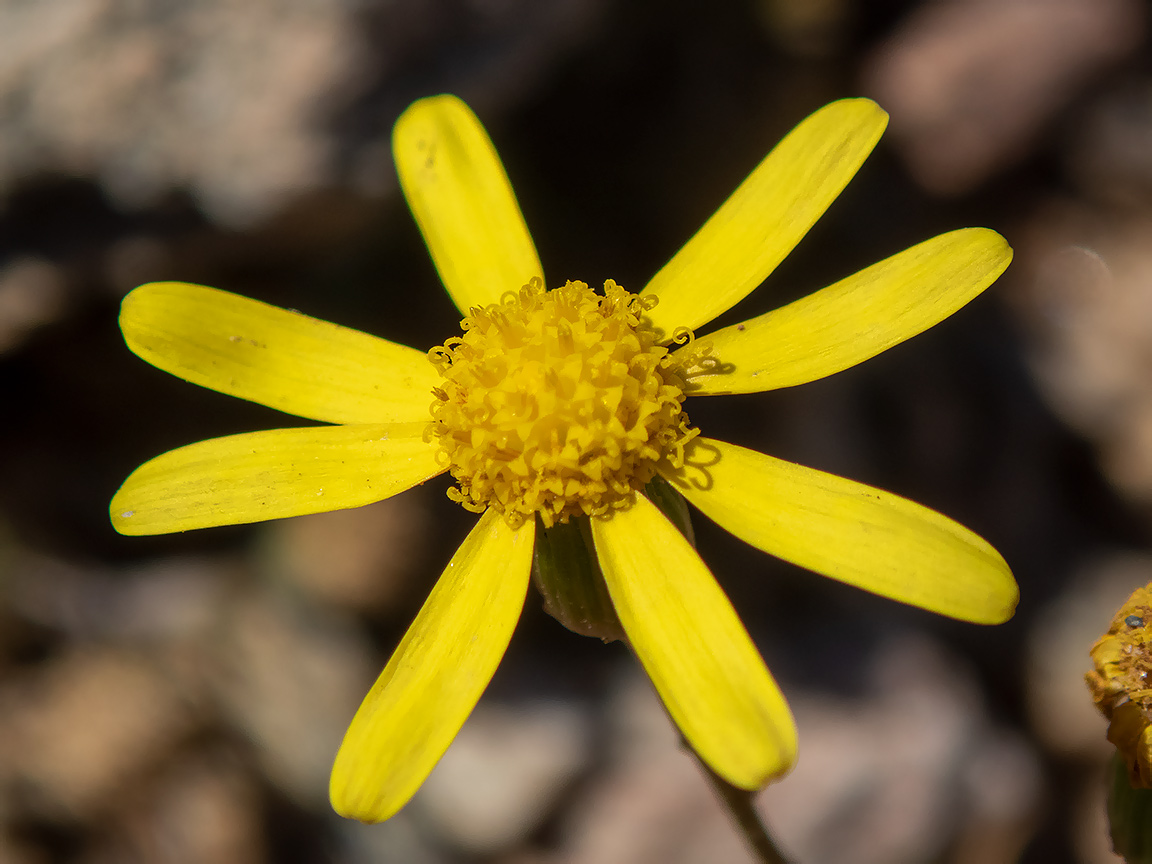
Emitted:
<point x="738" y="803"/>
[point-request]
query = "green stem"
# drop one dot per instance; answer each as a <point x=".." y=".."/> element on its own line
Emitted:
<point x="738" y="802"/>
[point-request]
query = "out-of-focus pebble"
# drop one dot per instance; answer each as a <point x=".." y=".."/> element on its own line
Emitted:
<point x="890" y="775"/>
<point x="897" y="774"/>
<point x="204" y="809"/>
<point x="355" y="559"/>
<point x="91" y="723"/>
<point x="1085" y="300"/>
<point x="970" y="83"/>
<point x="291" y="680"/>
<point x="504" y="773"/>
<point x="650" y="804"/>
<point x="239" y="103"/>
<point x="32" y="294"/>
<point x="146" y="97"/>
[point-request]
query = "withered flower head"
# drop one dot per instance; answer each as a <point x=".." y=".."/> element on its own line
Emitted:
<point x="1120" y="685"/>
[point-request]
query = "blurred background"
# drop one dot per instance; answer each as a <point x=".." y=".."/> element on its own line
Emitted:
<point x="179" y="699"/>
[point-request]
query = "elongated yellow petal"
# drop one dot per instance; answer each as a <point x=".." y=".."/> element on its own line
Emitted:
<point x="694" y="648"/>
<point x="437" y="674"/>
<point x="271" y="475"/>
<point x="281" y="359"/>
<point x="463" y="202"/>
<point x="860" y="535"/>
<point x="767" y="215"/>
<point x="857" y="318"/>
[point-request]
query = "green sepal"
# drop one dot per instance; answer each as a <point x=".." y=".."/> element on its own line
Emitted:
<point x="1129" y="816"/>
<point x="568" y="576"/>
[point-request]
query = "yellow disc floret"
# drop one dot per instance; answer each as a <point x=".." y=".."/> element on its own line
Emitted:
<point x="558" y="402"/>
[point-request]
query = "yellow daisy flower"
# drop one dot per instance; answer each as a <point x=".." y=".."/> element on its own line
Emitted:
<point x="566" y="403"/>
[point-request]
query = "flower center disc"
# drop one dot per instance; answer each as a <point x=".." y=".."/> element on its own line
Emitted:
<point x="557" y="402"/>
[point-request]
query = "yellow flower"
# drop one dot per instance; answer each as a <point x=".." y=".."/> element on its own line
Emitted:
<point x="565" y="403"/>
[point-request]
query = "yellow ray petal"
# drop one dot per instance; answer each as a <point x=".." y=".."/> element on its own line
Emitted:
<point x="463" y="202"/>
<point x="694" y="648"/>
<point x="281" y="359"/>
<point x="857" y="318"/>
<point x="767" y="215"/>
<point x="271" y="475"/>
<point x="436" y="675"/>
<point x="860" y="535"/>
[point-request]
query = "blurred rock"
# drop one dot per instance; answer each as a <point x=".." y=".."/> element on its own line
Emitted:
<point x="291" y="681"/>
<point x="204" y="809"/>
<point x="971" y="83"/>
<point x="909" y="770"/>
<point x="239" y="103"/>
<point x="504" y="774"/>
<point x="165" y="601"/>
<point x="1085" y="300"/>
<point x="220" y="97"/>
<point x="357" y="559"/>
<point x="1109" y="156"/>
<point x="74" y="736"/>
<point x="1004" y="793"/>
<point x="31" y="295"/>
<point x="651" y="804"/>
<point x="905" y="772"/>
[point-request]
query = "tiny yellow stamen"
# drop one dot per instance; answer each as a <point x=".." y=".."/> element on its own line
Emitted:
<point x="557" y="402"/>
